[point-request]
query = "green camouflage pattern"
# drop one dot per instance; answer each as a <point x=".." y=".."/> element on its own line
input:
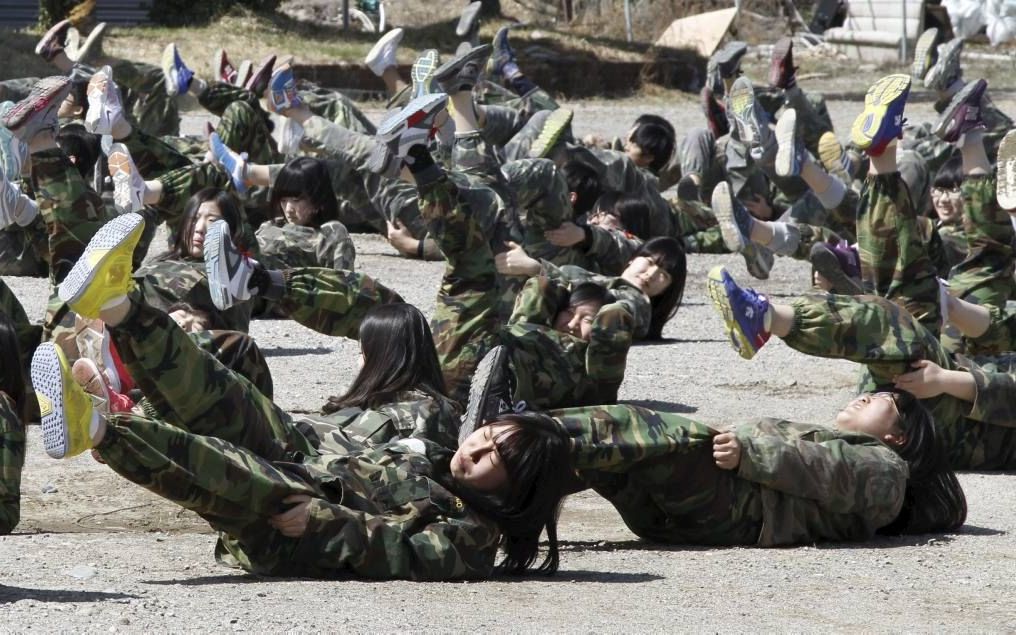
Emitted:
<point x="12" y="460"/>
<point x="22" y="250"/>
<point x="166" y="281"/>
<point x="152" y="155"/>
<point x="887" y="339"/>
<point x="29" y="335"/>
<point x="796" y="483"/>
<point x="147" y="105"/>
<point x="636" y="301"/>
<point x="332" y="302"/>
<point x="285" y="245"/>
<point x="610" y="250"/>
<point x="239" y="353"/>
<point x="335" y="107"/>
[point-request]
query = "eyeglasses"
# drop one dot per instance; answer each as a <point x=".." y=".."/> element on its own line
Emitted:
<point x="947" y="191"/>
<point x="892" y="397"/>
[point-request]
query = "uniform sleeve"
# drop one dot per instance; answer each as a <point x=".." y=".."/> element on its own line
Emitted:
<point x="335" y="249"/>
<point x="636" y="302"/>
<point x="12" y="460"/>
<point x="539" y="301"/>
<point x="607" y="352"/>
<point x="839" y="476"/>
<point x="612" y="250"/>
<point x="995" y="401"/>
<point x="387" y="547"/>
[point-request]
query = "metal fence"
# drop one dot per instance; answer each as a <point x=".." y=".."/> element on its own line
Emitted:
<point x="19" y="13"/>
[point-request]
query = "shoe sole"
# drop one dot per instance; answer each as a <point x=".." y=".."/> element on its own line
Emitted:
<point x="97" y="120"/>
<point x="825" y="262"/>
<point x="718" y="295"/>
<point x="499" y="43"/>
<point x="46" y="94"/>
<point x="397" y="122"/>
<point x="922" y="54"/>
<point x="942" y="127"/>
<point x="215" y="267"/>
<point x="423" y="72"/>
<point x="786" y="144"/>
<point x="758" y="260"/>
<point x="94" y="36"/>
<point x="450" y="69"/>
<point x="50" y="34"/>
<point x="261" y="76"/>
<point x="742" y="103"/>
<point x="479" y="390"/>
<point x="243" y="73"/>
<point x="468" y="19"/>
<point x="830" y="152"/>
<point x="553" y="128"/>
<point x="947" y="52"/>
<point x="166" y="62"/>
<point x="49" y="382"/>
<point x="1006" y="172"/>
<point x="118" y="235"/>
<point x="723" y="208"/>
<point x="780" y="51"/>
<point x="395" y="35"/>
<point x="122" y="171"/>
<point x="880" y="96"/>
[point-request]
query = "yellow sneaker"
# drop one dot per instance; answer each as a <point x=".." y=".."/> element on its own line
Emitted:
<point x="882" y="120"/>
<point x="68" y="420"/>
<point x="102" y="275"/>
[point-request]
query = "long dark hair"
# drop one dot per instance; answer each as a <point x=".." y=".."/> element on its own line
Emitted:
<point x="12" y="378"/>
<point x="306" y="176"/>
<point x="669" y="255"/>
<point x="934" y="500"/>
<point x="536" y="455"/>
<point x="632" y="211"/>
<point x="229" y="209"/>
<point x="398" y="355"/>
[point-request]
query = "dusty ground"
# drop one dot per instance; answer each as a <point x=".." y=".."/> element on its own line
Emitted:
<point x="100" y="554"/>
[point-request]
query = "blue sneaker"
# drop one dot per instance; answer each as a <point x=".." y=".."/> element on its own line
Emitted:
<point x="502" y="65"/>
<point x="743" y="312"/>
<point x="234" y="163"/>
<point x="882" y="120"/>
<point x="734" y="220"/>
<point x="282" y="93"/>
<point x="176" y="74"/>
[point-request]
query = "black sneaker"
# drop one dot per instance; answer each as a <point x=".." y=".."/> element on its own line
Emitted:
<point x="490" y="391"/>
<point x="463" y="72"/>
<point x="728" y="59"/>
<point x="825" y="260"/>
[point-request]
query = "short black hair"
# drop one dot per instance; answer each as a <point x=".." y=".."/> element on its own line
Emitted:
<point x="590" y="292"/>
<point x="632" y="211"/>
<point x="584" y="182"/>
<point x="84" y="146"/>
<point x="656" y="120"/>
<point x="950" y="175"/>
<point x="306" y="176"/>
<point x="655" y="140"/>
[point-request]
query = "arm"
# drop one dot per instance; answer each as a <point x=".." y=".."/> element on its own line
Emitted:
<point x="539" y="301"/>
<point x="611" y="249"/>
<point x="607" y="353"/>
<point x="994" y="399"/>
<point x="335" y="249"/>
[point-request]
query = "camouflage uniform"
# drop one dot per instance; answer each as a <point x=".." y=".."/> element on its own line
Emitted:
<point x="335" y="107"/>
<point x="332" y="302"/>
<point x="12" y="460"/>
<point x="894" y="258"/>
<point x="887" y="339"/>
<point x="146" y="103"/>
<point x="23" y="250"/>
<point x="152" y="155"/>
<point x="239" y="353"/>
<point x="164" y="282"/>
<point x="796" y="483"/>
<point x="985" y="275"/>
<point x="284" y="245"/>
<point x="29" y="335"/>
<point x="1000" y="336"/>
<point x="229" y="454"/>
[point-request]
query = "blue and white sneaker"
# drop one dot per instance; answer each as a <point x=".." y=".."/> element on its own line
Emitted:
<point x="413" y="125"/>
<point x="882" y="120"/>
<point x="229" y="270"/>
<point x="789" y="151"/>
<point x="751" y="121"/>
<point x="503" y="65"/>
<point x="282" y="93"/>
<point x="734" y="220"/>
<point x="743" y="312"/>
<point x="178" y="77"/>
<point x="234" y="163"/>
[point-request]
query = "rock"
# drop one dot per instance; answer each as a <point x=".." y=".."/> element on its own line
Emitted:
<point x="49" y="488"/>
<point x="82" y="572"/>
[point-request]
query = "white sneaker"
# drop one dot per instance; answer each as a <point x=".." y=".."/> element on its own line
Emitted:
<point x="104" y="108"/>
<point x="382" y="56"/>
<point x="229" y="271"/>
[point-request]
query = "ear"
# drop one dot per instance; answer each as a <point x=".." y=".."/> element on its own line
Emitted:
<point x="895" y="439"/>
<point x="573" y="197"/>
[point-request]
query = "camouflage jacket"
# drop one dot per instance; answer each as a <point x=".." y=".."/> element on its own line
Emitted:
<point x="164" y="282"/>
<point x="556" y="370"/>
<point x="12" y="459"/>
<point x="287" y="246"/>
<point x="413" y="414"/>
<point x="634" y="300"/>
<point x="382" y="513"/>
<point x="796" y="483"/>
<point x="611" y="249"/>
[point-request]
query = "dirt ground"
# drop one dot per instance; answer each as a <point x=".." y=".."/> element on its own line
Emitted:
<point x="96" y="553"/>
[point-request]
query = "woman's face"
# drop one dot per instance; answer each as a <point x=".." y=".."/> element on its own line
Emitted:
<point x="577" y="319"/>
<point x="948" y="204"/>
<point x="477" y="463"/>
<point x="207" y="214"/>
<point x="644" y="273"/>
<point x="298" y="210"/>
<point x="875" y="414"/>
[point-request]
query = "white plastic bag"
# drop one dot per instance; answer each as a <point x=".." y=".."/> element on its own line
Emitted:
<point x="1000" y="16"/>
<point x="967" y="16"/>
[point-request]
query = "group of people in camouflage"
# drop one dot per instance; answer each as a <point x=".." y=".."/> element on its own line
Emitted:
<point x="460" y="436"/>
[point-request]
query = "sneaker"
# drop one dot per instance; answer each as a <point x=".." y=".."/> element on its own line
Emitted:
<point x="257" y="83"/>
<point x="104" y="105"/>
<point x="947" y="69"/>
<point x="413" y="125"/>
<point x="734" y="219"/>
<point x="491" y="390"/>
<point x="790" y="152"/>
<point x="102" y="275"/>
<point x="95" y="342"/>
<point x="15" y="207"/>
<point x="924" y="54"/>
<point x="282" y="93"/>
<point x="469" y="21"/>
<point x="422" y="72"/>
<point x="463" y="72"/>
<point x="229" y="270"/>
<point x="38" y="111"/>
<point x="1006" y="172"/>
<point x="716" y="114"/>
<point x="556" y="124"/>
<point x="833" y="158"/>
<point x="758" y="260"/>
<point x="382" y="55"/>
<point x="243" y="73"/>
<point x="222" y="69"/>
<point x="963" y="113"/>
<point x="128" y="184"/>
<point x="54" y="41"/>
<point x="13" y="151"/>
<point x="688" y="190"/>
<point x="234" y="163"/>
<point x="834" y="263"/>
<point x="69" y="422"/>
<point x="176" y="74"/>
<point x="92" y="380"/>
<point x="751" y="121"/>
<point x="743" y="312"/>
<point x="882" y="120"/>
<point x="79" y="51"/>
<point x="728" y="59"/>
<point x="503" y="65"/>
<point x="782" y="72"/>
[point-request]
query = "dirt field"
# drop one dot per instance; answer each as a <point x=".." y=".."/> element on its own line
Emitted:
<point x="100" y="554"/>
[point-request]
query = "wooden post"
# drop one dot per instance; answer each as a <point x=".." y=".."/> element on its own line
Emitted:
<point x="345" y="15"/>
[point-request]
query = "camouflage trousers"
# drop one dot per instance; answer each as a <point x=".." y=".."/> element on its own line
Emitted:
<point x="23" y="250"/>
<point x="532" y="102"/>
<point x="922" y="139"/>
<point x="239" y="353"/>
<point x="892" y="250"/>
<point x="180" y="184"/>
<point x="12" y="460"/>
<point x="840" y="219"/>
<point x="500" y="124"/>
<point x="543" y="200"/>
<point x="29" y="335"/>
<point x="332" y="302"/>
<point x="243" y="125"/>
<point x="887" y="339"/>
<point x="335" y="107"/>
<point x="813" y="118"/>
<point x="1000" y="336"/>
<point x="657" y="469"/>
<point x="152" y="155"/>
<point x="147" y="105"/>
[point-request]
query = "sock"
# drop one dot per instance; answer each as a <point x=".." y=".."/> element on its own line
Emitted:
<point x="510" y="70"/>
<point x="522" y="85"/>
<point x="197" y="86"/>
<point x="786" y="239"/>
<point x="423" y="168"/>
<point x="767" y="320"/>
<point x="833" y="196"/>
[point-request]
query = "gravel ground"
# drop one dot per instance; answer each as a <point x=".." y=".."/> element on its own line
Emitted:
<point x="100" y="554"/>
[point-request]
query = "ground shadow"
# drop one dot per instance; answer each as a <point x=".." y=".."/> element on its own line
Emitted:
<point x="293" y="352"/>
<point x="9" y="594"/>
<point x="226" y="578"/>
<point x="661" y="406"/>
